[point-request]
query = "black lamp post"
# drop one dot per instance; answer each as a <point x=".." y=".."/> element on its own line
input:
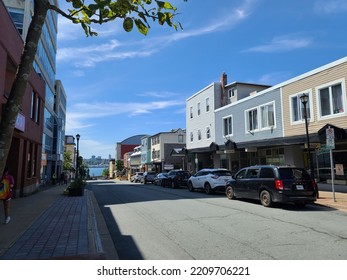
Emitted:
<point x="77" y="167"/>
<point x="304" y="100"/>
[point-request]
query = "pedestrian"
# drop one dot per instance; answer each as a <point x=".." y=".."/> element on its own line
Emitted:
<point x="7" y="183"/>
<point x="54" y="178"/>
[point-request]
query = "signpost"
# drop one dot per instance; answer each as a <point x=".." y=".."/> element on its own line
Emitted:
<point x="330" y="144"/>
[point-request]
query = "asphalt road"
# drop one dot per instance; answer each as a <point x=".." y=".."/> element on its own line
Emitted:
<point x="148" y="222"/>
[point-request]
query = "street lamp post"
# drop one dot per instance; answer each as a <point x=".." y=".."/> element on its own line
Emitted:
<point x="77" y="167"/>
<point x="304" y="100"/>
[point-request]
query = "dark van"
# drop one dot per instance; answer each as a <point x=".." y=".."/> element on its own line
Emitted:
<point x="271" y="184"/>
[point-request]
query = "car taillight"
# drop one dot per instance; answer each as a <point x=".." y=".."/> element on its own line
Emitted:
<point x="278" y="184"/>
<point x="314" y="184"/>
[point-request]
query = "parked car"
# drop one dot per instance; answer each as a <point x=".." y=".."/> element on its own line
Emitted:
<point x="209" y="180"/>
<point x="136" y="178"/>
<point x="158" y="178"/>
<point x="176" y="178"/>
<point x="148" y="177"/>
<point x="271" y="184"/>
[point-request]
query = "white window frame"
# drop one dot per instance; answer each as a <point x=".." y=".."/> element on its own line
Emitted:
<point x="191" y="112"/>
<point x="191" y="136"/>
<point x="207" y="104"/>
<point x="198" y="108"/>
<point x="208" y="132"/>
<point x="199" y="135"/>
<point x="248" y="129"/>
<point x="230" y="125"/>
<point x="309" y="105"/>
<point x="260" y="115"/>
<point x="259" y="126"/>
<point x="329" y="86"/>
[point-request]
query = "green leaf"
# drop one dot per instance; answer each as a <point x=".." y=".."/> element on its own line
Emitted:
<point x="166" y="5"/>
<point x="128" y="24"/>
<point x="141" y="26"/>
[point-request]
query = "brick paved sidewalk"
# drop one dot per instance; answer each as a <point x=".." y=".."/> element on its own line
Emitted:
<point x="62" y="230"/>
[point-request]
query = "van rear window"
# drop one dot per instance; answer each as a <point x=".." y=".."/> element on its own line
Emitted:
<point x="290" y="173"/>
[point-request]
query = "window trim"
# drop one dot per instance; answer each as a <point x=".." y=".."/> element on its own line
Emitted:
<point x="259" y="118"/>
<point x="310" y="100"/>
<point x="232" y="126"/>
<point x="199" y="135"/>
<point x="344" y="102"/>
<point x="207" y="104"/>
<point x="208" y="132"/>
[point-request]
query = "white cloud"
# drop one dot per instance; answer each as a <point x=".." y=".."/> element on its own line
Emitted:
<point x="91" y="147"/>
<point x="274" y="78"/>
<point x="90" y="55"/>
<point x="330" y="6"/>
<point x="282" y="43"/>
<point x="83" y="115"/>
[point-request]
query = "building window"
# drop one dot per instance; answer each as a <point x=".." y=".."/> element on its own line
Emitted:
<point x="267" y="116"/>
<point x="199" y="135"/>
<point x="297" y="108"/>
<point x="228" y="126"/>
<point x="208" y="132"/>
<point x="33" y="106"/>
<point x="207" y="104"/>
<point x="252" y="120"/>
<point x="231" y="93"/>
<point x="17" y="16"/>
<point x="180" y="138"/>
<point x="331" y="101"/>
<point x="191" y="112"/>
<point x="191" y="137"/>
<point x="198" y="107"/>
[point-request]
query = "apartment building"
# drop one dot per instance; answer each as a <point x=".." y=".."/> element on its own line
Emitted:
<point x="162" y="145"/>
<point x="210" y="135"/>
<point x="45" y="64"/>
<point x="24" y="160"/>
<point x="268" y="126"/>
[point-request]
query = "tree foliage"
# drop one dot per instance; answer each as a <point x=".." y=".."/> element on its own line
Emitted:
<point x="119" y="165"/>
<point x="67" y="164"/>
<point x="85" y="13"/>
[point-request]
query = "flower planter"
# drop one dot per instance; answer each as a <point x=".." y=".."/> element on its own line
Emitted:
<point x="76" y="191"/>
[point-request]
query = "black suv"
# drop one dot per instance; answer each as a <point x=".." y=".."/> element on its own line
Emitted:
<point x="176" y="178"/>
<point x="271" y="184"/>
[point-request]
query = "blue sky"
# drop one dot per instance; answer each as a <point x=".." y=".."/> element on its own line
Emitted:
<point x="122" y="84"/>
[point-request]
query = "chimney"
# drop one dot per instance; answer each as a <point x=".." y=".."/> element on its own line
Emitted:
<point x="224" y="79"/>
<point x="223" y="83"/>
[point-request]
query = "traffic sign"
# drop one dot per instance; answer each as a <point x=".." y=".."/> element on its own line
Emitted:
<point x="330" y="140"/>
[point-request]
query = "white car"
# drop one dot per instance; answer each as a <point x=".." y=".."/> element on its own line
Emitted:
<point x="209" y="180"/>
<point x="136" y="178"/>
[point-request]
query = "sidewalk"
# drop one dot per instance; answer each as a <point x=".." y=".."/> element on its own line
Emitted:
<point x="50" y="225"/>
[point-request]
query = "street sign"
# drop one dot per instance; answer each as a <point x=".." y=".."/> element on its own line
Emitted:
<point x="330" y="141"/>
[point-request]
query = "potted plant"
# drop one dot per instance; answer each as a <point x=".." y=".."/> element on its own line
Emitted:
<point x="76" y="188"/>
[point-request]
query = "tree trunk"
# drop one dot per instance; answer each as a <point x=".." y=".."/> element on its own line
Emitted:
<point x="15" y="99"/>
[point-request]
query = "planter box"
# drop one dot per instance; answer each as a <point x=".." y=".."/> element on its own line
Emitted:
<point x="76" y="191"/>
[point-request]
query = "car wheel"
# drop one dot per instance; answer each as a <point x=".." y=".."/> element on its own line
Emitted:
<point x="190" y="187"/>
<point x="230" y="192"/>
<point x="265" y="198"/>
<point x="207" y="188"/>
<point x="162" y="183"/>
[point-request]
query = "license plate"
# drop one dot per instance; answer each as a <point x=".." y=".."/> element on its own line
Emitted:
<point x="299" y="187"/>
